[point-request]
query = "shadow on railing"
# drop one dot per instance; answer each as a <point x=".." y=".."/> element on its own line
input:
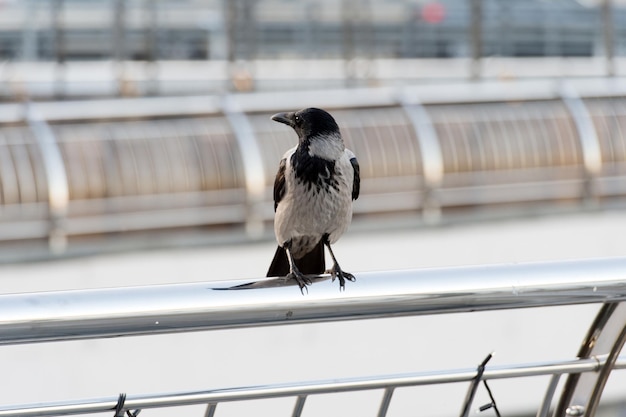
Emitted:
<point x="86" y="314"/>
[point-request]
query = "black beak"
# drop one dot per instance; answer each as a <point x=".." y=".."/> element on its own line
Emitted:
<point x="285" y="118"/>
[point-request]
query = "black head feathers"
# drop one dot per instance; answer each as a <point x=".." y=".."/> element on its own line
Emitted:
<point x="309" y="122"/>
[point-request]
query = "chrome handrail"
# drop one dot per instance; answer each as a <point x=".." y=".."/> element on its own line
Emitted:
<point x="174" y="308"/>
<point x="158" y="309"/>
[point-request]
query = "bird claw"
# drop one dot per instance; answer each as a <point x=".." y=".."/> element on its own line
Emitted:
<point x="301" y="279"/>
<point x="342" y="276"/>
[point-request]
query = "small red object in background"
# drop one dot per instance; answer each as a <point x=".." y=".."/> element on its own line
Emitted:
<point x="433" y="12"/>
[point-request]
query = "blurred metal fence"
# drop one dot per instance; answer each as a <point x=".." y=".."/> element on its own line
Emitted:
<point x="114" y="312"/>
<point x="93" y="167"/>
<point x="270" y="29"/>
<point x="146" y="47"/>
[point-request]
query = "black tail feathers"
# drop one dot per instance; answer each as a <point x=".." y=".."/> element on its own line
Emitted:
<point x="312" y="263"/>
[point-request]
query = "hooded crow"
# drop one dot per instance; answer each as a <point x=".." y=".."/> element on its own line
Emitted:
<point x="317" y="181"/>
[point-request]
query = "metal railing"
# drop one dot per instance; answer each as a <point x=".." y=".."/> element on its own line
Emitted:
<point x="245" y="30"/>
<point x="86" y="314"/>
<point x="81" y="168"/>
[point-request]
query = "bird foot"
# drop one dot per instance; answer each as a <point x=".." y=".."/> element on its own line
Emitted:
<point x="337" y="272"/>
<point x="301" y="279"/>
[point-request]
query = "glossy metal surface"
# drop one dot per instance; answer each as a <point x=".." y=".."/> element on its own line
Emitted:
<point x="56" y="176"/>
<point x="605" y="338"/>
<point x="302" y="389"/>
<point x="84" y="314"/>
<point x="384" y="403"/>
<point x="432" y="158"/>
<point x="139" y="165"/>
<point x="544" y="409"/>
<point x="210" y="410"/>
<point x="589" y="141"/>
<point x="299" y="406"/>
<point x="252" y="164"/>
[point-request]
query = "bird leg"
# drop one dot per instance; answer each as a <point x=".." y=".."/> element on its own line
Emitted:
<point x="336" y="271"/>
<point x="294" y="272"/>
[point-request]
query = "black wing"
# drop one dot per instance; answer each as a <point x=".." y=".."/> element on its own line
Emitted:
<point x="356" y="185"/>
<point x="279" y="183"/>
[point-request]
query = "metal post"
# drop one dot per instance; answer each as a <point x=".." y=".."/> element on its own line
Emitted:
<point x="609" y="36"/>
<point x="59" y="47"/>
<point x="152" y="68"/>
<point x="347" y="32"/>
<point x="58" y="188"/>
<point x="432" y="156"/>
<point x="605" y="339"/>
<point x="249" y="26"/>
<point x="589" y="142"/>
<point x="544" y="409"/>
<point x="384" y="403"/>
<point x="29" y="50"/>
<point x="210" y="410"/>
<point x="119" y="47"/>
<point x="238" y="19"/>
<point x="119" y="32"/>
<point x="299" y="406"/>
<point x="252" y="165"/>
<point x="230" y="18"/>
<point x="476" y="38"/>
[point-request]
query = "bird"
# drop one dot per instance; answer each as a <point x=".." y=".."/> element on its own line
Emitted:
<point x="316" y="183"/>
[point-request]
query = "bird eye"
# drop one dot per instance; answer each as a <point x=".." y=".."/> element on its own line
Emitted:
<point x="297" y="119"/>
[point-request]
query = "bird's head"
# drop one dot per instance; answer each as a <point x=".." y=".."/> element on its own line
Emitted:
<point x="309" y="123"/>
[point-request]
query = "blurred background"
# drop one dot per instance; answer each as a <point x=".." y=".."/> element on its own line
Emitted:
<point x="136" y="148"/>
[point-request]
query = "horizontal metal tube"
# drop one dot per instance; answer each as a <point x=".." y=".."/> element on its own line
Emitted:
<point x="84" y="314"/>
<point x="267" y="101"/>
<point x="307" y="388"/>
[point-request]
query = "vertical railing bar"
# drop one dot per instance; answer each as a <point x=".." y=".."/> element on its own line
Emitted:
<point x="469" y="397"/>
<point x="432" y="156"/>
<point x="119" y="44"/>
<point x="587" y="136"/>
<point x="252" y="159"/>
<point x="608" y="35"/>
<point x="544" y="409"/>
<point x="210" y="410"/>
<point x="57" y="9"/>
<point x="151" y="66"/>
<point x="56" y="176"/>
<point x="476" y="37"/>
<point x="386" y="400"/>
<point x="297" y="409"/>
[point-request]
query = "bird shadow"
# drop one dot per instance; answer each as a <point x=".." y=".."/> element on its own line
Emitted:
<point x="273" y="282"/>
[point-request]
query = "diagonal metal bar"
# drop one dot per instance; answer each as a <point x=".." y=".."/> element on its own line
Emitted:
<point x="210" y="409"/>
<point x="544" y="408"/>
<point x="471" y="392"/>
<point x="299" y="406"/>
<point x="384" y="403"/>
